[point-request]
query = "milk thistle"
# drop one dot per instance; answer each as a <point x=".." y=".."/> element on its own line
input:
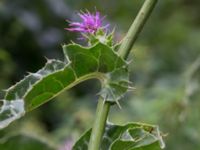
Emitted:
<point x="102" y="60"/>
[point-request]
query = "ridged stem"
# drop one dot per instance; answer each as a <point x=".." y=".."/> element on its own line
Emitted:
<point x="102" y="111"/>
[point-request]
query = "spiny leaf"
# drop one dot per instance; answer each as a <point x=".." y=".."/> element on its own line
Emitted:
<point x="132" y="136"/>
<point x="81" y="63"/>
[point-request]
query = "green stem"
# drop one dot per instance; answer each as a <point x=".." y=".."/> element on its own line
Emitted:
<point x="99" y="124"/>
<point x="136" y="28"/>
<point x="104" y="106"/>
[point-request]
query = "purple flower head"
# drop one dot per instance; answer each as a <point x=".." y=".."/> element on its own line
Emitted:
<point x="91" y="23"/>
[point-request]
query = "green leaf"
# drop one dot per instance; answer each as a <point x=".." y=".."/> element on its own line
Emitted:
<point x="132" y="136"/>
<point x="81" y="63"/>
<point x="24" y="142"/>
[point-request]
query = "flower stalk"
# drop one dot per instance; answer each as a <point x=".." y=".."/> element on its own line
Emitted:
<point x="103" y="108"/>
<point x="136" y="28"/>
<point x="124" y="50"/>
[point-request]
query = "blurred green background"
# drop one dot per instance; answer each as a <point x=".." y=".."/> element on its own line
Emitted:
<point x="165" y="70"/>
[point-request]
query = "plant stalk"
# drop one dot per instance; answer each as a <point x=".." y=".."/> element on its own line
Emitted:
<point x="124" y="50"/>
<point x="136" y="28"/>
<point x="102" y="111"/>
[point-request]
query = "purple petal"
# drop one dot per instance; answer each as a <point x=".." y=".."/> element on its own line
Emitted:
<point x="90" y="23"/>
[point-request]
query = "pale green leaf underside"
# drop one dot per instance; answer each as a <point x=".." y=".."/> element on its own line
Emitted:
<point x="132" y="136"/>
<point x="81" y="63"/>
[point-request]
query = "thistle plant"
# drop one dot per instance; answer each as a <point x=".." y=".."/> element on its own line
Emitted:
<point x="100" y="59"/>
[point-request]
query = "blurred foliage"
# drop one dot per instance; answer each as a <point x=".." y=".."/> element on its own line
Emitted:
<point x="164" y="68"/>
<point x="25" y="142"/>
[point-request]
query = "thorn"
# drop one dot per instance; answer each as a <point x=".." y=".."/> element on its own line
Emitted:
<point x="5" y="90"/>
<point x="16" y="96"/>
<point x="72" y="42"/>
<point x="104" y="98"/>
<point x="129" y="62"/>
<point x="54" y="66"/>
<point x="130" y="88"/>
<point x="46" y="58"/>
<point x="29" y="85"/>
<point x="37" y="75"/>
<point x="30" y="73"/>
<point x="118" y="104"/>
<point x="68" y="21"/>
<point x="63" y="44"/>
